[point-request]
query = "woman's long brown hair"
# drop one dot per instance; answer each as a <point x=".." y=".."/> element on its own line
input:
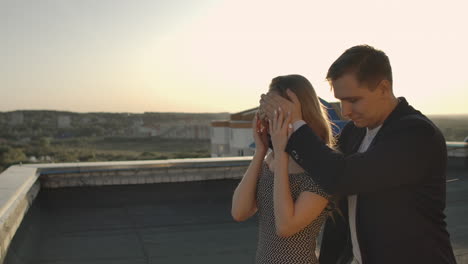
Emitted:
<point x="313" y="112"/>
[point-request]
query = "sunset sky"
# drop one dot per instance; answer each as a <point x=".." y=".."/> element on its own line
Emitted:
<point x="219" y="55"/>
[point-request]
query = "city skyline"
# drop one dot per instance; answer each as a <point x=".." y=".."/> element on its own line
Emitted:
<point x="218" y="56"/>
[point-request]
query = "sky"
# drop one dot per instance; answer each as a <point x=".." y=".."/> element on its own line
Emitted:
<point x="219" y="55"/>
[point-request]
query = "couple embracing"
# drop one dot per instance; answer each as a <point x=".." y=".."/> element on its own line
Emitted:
<point x="377" y="189"/>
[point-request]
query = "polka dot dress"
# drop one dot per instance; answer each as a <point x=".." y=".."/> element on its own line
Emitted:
<point x="299" y="248"/>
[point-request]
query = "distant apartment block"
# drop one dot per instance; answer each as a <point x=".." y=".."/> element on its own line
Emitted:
<point x="188" y="131"/>
<point x="16" y="118"/>
<point x="63" y="121"/>
<point x="148" y="131"/>
<point x="183" y="129"/>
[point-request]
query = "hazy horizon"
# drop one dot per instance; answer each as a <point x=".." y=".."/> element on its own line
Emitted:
<point x="214" y="56"/>
<point x="147" y="112"/>
<point x="463" y="115"/>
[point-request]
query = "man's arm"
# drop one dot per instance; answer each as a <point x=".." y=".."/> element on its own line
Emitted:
<point x="400" y="158"/>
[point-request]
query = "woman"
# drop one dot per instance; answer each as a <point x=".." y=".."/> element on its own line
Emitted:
<point x="289" y="204"/>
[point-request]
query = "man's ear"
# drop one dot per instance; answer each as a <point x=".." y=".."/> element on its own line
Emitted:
<point x="385" y="87"/>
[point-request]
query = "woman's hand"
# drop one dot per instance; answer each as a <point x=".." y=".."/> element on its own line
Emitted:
<point x="280" y="130"/>
<point x="260" y="131"/>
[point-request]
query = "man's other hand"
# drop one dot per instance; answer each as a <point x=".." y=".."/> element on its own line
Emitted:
<point x="273" y="101"/>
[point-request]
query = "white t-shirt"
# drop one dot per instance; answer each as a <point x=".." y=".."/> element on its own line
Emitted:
<point x="352" y="199"/>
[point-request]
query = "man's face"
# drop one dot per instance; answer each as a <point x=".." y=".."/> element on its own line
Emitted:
<point x="363" y="106"/>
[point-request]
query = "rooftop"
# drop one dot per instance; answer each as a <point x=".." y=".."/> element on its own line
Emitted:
<point x="174" y="211"/>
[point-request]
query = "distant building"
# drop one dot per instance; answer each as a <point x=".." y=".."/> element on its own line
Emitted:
<point x="185" y="130"/>
<point x="181" y="129"/>
<point x="234" y="137"/>
<point x="85" y="120"/>
<point x="16" y="118"/>
<point x="148" y="131"/>
<point x="220" y="136"/>
<point x="466" y="153"/>
<point x="63" y="121"/>
<point x="137" y="122"/>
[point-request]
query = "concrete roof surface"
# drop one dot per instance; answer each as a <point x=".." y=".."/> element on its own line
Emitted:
<point x="186" y="222"/>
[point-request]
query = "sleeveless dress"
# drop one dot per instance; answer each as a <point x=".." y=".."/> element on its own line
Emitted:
<point x="298" y="248"/>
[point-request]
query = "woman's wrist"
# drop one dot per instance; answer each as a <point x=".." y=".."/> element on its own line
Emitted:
<point x="260" y="152"/>
<point x="281" y="155"/>
<point x="281" y="162"/>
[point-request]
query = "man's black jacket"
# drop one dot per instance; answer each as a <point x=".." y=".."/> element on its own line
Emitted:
<point x="400" y="182"/>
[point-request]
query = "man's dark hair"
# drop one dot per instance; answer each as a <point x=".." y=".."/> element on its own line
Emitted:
<point x="369" y="65"/>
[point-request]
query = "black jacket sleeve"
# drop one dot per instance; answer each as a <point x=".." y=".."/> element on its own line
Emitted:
<point x="404" y="152"/>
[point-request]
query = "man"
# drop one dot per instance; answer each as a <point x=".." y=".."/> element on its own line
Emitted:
<point x="387" y="173"/>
